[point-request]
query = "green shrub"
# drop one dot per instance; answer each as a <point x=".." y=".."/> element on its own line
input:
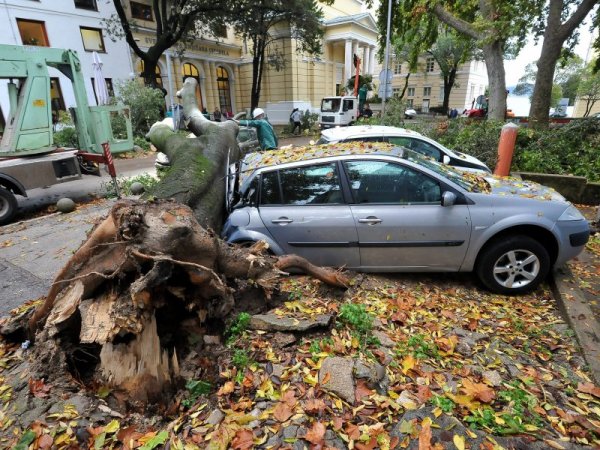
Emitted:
<point x="125" y="185"/>
<point x="573" y="148"/>
<point x="146" y="106"/>
<point x="67" y="137"/>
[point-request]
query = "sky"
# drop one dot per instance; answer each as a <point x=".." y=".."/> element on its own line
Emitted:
<point x="516" y="68"/>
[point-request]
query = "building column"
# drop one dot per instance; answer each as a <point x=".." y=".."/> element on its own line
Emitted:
<point x="239" y="101"/>
<point x="208" y="82"/>
<point x="215" y="91"/>
<point x="348" y="60"/>
<point x="365" y="60"/>
<point x="372" y="61"/>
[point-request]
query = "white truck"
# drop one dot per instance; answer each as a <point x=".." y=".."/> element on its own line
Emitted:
<point x="338" y="111"/>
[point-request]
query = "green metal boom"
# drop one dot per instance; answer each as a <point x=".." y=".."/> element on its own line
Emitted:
<point x="29" y="129"/>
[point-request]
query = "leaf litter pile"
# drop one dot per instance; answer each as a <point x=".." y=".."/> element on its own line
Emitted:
<point x="407" y="362"/>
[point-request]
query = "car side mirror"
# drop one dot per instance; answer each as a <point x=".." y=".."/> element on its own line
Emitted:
<point x="446" y="159"/>
<point x="448" y="198"/>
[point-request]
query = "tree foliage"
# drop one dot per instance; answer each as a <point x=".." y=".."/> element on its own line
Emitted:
<point x="144" y="102"/>
<point x="269" y="25"/>
<point x="496" y="27"/>
<point x="557" y="24"/>
<point x="449" y="51"/>
<point x="176" y="22"/>
<point x="589" y="88"/>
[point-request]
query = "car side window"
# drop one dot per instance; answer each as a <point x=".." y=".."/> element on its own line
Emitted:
<point x="389" y="183"/>
<point x="307" y="185"/>
<point x="270" y="194"/>
<point x="419" y="146"/>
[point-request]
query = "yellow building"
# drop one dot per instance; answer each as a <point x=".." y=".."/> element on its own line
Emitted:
<point x="425" y="88"/>
<point x="223" y="66"/>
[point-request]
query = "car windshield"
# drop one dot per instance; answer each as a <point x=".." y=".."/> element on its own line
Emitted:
<point x="467" y="180"/>
<point x="330" y="105"/>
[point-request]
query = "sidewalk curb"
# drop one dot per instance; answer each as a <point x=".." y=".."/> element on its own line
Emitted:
<point x="572" y="303"/>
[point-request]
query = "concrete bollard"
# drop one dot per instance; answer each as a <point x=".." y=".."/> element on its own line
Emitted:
<point x="506" y="148"/>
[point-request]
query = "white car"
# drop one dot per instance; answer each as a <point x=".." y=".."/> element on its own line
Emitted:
<point x="405" y="138"/>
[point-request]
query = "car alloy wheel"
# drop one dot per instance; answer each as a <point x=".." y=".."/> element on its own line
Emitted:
<point x="516" y="268"/>
<point x="513" y="265"/>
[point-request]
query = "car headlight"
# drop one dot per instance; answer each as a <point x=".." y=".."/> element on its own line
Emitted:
<point x="571" y="214"/>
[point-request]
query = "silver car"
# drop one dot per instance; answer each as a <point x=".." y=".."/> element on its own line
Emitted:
<point x="375" y="207"/>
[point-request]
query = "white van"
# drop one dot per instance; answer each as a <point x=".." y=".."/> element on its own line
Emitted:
<point x="338" y="111"/>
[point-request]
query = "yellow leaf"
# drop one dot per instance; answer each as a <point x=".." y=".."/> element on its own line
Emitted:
<point x="499" y="420"/>
<point x="437" y="412"/>
<point x="471" y="434"/>
<point x="459" y="442"/>
<point x="407" y="364"/>
<point x="112" y="426"/>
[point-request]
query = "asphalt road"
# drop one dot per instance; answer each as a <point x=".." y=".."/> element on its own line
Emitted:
<point x="33" y="251"/>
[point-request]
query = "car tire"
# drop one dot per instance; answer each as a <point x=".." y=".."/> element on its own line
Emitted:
<point x="8" y="206"/>
<point x="513" y="266"/>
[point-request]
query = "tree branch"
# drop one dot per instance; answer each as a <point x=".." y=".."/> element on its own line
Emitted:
<point x="576" y="18"/>
<point x="459" y="25"/>
<point x="127" y="29"/>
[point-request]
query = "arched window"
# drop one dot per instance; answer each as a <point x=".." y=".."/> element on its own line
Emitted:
<point x="190" y="70"/>
<point x="224" y="90"/>
<point x="140" y="67"/>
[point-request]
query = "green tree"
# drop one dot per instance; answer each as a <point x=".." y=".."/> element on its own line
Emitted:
<point x="264" y="23"/>
<point x="496" y="27"/>
<point x="557" y="25"/>
<point x="145" y="103"/>
<point x="589" y="88"/>
<point x="449" y="51"/>
<point x="177" y="22"/>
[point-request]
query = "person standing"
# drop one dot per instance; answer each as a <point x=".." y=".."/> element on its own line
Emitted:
<point x="265" y="131"/>
<point x="296" y="118"/>
<point x="217" y="115"/>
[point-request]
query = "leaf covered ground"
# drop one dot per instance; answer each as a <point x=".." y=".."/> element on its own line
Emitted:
<point x="442" y="364"/>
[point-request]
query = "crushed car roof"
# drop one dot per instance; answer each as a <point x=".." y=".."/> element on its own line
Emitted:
<point x="257" y="160"/>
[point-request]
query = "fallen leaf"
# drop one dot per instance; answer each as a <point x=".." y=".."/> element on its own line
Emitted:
<point x="316" y="435"/>
<point x="362" y="390"/>
<point x="226" y="389"/>
<point x="352" y="431"/>
<point x="282" y="412"/>
<point x="425" y="434"/>
<point x="338" y="422"/>
<point x="459" y="442"/>
<point x="243" y="440"/>
<point x="589" y="388"/>
<point x="326" y="378"/>
<point x="478" y="391"/>
<point x="314" y="406"/>
<point x="38" y="388"/>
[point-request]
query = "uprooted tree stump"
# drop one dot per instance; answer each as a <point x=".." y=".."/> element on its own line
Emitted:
<point x="118" y="303"/>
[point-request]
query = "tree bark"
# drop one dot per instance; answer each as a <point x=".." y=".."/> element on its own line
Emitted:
<point x="555" y="35"/>
<point x="198" y="165"/>
<point x="145" y="261"/>
<point x="494" y="62"/>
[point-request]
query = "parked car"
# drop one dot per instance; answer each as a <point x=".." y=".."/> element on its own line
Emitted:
<point x="410" y="113"/>
<point x="406" y="138"/>
<point x="375" y="207"/>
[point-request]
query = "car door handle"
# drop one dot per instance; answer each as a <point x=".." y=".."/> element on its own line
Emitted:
<point x="282" y="220"/>
<point x="370" y="220"/>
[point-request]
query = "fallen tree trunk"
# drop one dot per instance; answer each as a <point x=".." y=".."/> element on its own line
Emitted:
<point x="198" y="165"/>
<point x="143" y="270"/>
